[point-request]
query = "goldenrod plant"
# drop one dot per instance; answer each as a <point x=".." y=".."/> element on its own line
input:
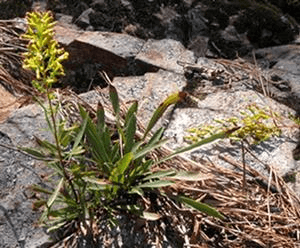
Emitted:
<point x="44" y="57"/>
<point x="97" y="166"/>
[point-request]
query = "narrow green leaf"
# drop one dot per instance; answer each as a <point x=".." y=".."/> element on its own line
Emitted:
<point x="137" y="145"/>
<point x="156" y="136"/>
<point x="80" y="133"/>
<point x="40" y="189"/>
<point x="76" y="151"/>
<point x="118" y="172"/>
<point x="129" y="134"/>
<point x="153" y="142"/>
<point x="208" y="140"/>
<point x="132" y="110"/>
<point x="172" y="99"/>
<point x="145" y="150"/>
<point x="106" y="138"/>
<point x="140" y="170"/>
<point x="137" y="190"/>
<point x="46" y="144"/>
<point x="115" y="154"/>
<point x="57" y="226"/>
<point x="97" y="147"/>
<point x="200" y="206"/>
<point x="113" y="94"/>
<point x="146" y="166"/>
<point x="156" y="184"/>
<point x="67" y="213"/>
<point x="55" y="193"/>
<point x="100" y="118"/>
<point x="44" y="216"/>
<point x="160" y="174"/>
<point x="35" y="152"/>
<point x="123" y="164"/>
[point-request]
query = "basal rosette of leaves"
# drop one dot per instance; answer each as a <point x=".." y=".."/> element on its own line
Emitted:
<point x="98" y="166"/>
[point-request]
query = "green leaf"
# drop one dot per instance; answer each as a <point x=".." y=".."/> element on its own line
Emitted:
<point x="80" y="133"/>
<point x="140" y="170"/>
<point x="172" y="99"/>
<point x="200" y="206"/>
<point x="123" y="164"/>
<point x="55" y="193"/>
<point x="132" y="110"/>
<point x="100" y="118"/>
<point x="137" y="190"/>
<point x="156" y="136"/>
<point x="113" y="94"/>
<point x="146" y="166"/>
<point x="40" y="189"/>
<point x="160" y="174"/>
<point x="46" y="144"/>
<point x="97" y="146"/>
<point x="156" y="184"/>
<point x="76" y="151"/>
<point x="58" y="225"/>
<point x="208" y="140"/>
<point x="35" y="152"/>
<point x="117" y="175"/>
<point x="106" y="138"/>
<point x="115" y="154"/>
<point x="68" y="213"/>
<point x="129" y="134"/>
<point x="148" y="148"/>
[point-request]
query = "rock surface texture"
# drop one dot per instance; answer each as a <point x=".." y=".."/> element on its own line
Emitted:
<point x="150" y="69"/>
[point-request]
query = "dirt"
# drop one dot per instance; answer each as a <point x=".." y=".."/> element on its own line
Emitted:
<point x="8" y="103"/>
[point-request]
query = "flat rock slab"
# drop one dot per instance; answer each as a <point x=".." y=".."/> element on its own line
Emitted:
<point x="113" y="51"/>
<point x="165" y="54"/>
<point x="110" y="50"/>
<point x="120" y="44"/>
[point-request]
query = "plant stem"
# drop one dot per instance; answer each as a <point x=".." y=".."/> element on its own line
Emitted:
<point x="58" y="145"/>
<point x="244" y="166"/>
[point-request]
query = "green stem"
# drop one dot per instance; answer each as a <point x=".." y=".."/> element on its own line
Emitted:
<point x="58" y="145"/>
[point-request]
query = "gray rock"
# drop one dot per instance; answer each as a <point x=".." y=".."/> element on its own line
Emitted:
<point x="283" y="62"/>
<point x="83" y="20"/>
<point x="165" y="54"/>
<point x="150" y="90"/>
<point x="18" y="172"/>
<point x="110" y="50"/>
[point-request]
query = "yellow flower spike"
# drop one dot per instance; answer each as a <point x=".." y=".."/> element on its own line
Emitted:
<point x="44" y="53"/>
